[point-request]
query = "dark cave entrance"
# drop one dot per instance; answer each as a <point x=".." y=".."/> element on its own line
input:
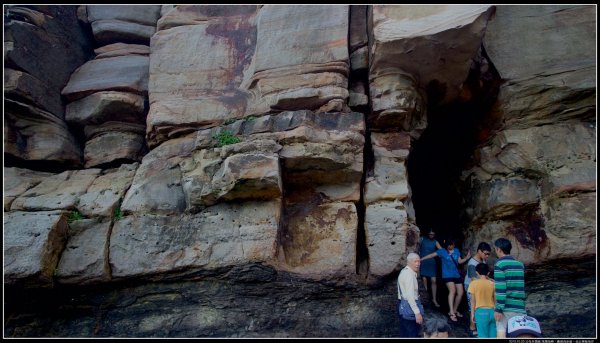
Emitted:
<point x="446" y="147"/>
<point x="443" y="151"/>
<point x="434" y="167"/>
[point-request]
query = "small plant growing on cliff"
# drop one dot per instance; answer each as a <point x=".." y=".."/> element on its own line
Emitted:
<point x="75" y="215"/>
<point x="250" y="118"/>
<point x="118" y="213"/>
<point x="225" y="138"/>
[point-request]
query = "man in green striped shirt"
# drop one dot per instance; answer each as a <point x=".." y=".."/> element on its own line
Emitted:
<point x="509" y="279"/>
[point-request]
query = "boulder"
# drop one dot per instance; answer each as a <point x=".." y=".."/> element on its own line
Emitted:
<point x="101" y="107"/>
<point x="113" y="141"/>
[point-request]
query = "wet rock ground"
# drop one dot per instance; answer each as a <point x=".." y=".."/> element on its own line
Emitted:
<point x="460" y="328"/>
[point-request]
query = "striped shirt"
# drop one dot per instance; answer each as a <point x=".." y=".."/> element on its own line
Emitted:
<point x="509" y="279"/>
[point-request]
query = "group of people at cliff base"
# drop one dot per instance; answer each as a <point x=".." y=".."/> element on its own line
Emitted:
<point x="496" y="305"/>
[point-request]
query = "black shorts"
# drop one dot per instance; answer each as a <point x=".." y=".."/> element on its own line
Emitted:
<point x="453" y="280"/>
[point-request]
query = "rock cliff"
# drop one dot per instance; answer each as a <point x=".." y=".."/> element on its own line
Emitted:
<point x="263" y="171"/>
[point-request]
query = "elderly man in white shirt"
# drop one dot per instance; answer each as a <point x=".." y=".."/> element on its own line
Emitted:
<point x="409" y="306"/>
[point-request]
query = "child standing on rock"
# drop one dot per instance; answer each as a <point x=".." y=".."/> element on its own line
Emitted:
<point x="483" y="300"/>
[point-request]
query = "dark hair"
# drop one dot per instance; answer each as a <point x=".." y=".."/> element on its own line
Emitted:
<point x="483" y="246"/>
<point x="434" y="324"/>
<point x="448" y="241"/>
<point x="482" y="269"/>
<point x="504" y="245"/>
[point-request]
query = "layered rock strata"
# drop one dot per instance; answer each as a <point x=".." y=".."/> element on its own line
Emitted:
<point x="245" y="168"/>
<point x="108" y="95"/>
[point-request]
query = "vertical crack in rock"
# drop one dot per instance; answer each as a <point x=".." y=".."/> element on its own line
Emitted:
<point x="359" y="101"/>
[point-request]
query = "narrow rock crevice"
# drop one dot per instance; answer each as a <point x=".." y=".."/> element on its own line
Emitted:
<point x="358" y="82"/>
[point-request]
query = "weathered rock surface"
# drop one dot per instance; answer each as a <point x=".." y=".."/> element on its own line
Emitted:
<point x="192" y="86"/>
<point x="113" y="141"/>
<point x="300" y="69"/>
<point x="112" y="113"/>
<point x="27" y="88"/>
<point x="122" y="23"/>
<point x="33" y="242"/>
<point x="390" y="228"/>
<point x="123" y="73"/>
<point x="46" y="43"/>
<point x="85" y="258"/>
<point x="390" y="236"/>
<point x="389" y="179"/>
<point x="106" y="192"/>
<point x="535" y="179"/>
<point x="433" y="44"/>
<point x="234" y="302"/>
<point x="249" y="171"/>
<point x="42" y="47"/>
<point x="147" y="15"/>
<point x="109" y="31"/>
<point x="265" y="207"/>
<point x="57" y="192"/>
<point x="319" y="241"/>
<point x="551" y="78"/>
<point x="537" y="191"/>
<point x="187" y="173"/>
<point x="180" y="15"/>
<point x="101" y="107"/>
<point x="17" y="181"/>
<point x="121" y="49"/>
<point x="222" y="235"/>
<point x="33" y="134"/>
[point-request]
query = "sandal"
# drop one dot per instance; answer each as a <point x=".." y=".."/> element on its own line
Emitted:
<point x="452" y="317"/>
<point x="436" y="304"/>
<point x="459" y="315"/>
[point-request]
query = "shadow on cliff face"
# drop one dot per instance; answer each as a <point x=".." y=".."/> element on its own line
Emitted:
<point x="257" y="301"/>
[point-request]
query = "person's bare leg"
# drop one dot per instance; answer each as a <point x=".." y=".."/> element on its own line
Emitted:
<point x="459" y="295"/>
<point x="434" y="291"/>
<point x="501" y="324"/>
<point x="424" y="278"/>
<point x="451" y="294"/>
<point x="500" y="334"/>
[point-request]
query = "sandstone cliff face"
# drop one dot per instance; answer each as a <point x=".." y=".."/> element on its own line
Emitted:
<point x="243" y="171"/>
<point x="534" y="180"/>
